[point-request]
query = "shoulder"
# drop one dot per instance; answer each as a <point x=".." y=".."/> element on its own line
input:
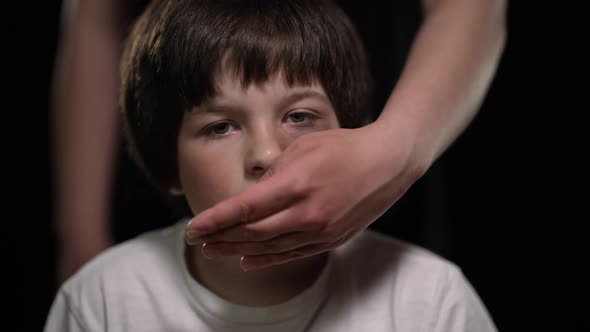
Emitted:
<point x="140" y="253"/>
<point x="416" y="282"/>
<point x="410" y="270"/>
<point x="123" y="270"/>
<point x="374" y="249"/>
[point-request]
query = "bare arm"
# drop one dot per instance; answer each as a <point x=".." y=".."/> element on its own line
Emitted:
<point x="85" y="126"/>
<point x="306" y="208"/>
<point x="449" y="69"/>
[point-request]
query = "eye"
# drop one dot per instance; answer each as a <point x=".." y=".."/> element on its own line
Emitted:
<point x="219" y="129"/>
<point x="300" y="117"/>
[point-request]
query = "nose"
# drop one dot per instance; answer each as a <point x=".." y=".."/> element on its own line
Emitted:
<point x="263" y="147"/>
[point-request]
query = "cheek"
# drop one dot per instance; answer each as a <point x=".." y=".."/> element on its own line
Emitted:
<point x="209" y="176"/>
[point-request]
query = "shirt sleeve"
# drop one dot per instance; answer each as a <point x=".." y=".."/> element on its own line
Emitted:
<point x="460" y="308"/>
<point x="62" y="318"/>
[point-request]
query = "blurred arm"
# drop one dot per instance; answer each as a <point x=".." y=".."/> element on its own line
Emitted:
<point x="85" y="127"/>
<point x="449" y="69"/>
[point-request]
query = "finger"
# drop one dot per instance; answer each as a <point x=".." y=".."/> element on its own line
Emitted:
<point x="281" y="223"/>
<point x="276" y="245"/>
<point x="259" y="201"/>
<point x="249" y="263"/>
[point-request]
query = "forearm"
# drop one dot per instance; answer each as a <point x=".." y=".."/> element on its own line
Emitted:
<point x="447" y="74"/>
<point x="85" y="123"/>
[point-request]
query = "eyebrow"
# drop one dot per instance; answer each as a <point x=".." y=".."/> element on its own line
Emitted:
<point x="213" y="107"/>
<point x="300" y="95"/>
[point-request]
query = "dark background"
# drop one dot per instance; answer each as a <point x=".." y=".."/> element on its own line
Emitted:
<point x="476" y="206"/>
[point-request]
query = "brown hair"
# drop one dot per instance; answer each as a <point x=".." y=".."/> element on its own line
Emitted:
<point x="176" y="48"/>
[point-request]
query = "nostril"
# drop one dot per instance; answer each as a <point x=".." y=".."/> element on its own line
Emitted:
<point x="258" y="170"/>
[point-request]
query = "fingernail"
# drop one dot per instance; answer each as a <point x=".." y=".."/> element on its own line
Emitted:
<point x="188" y="239"/>
<point x="209" y="252"/>
<point x="247" y="265"/>
<point x="191" y="232"/>
<point x="244" y="265"/>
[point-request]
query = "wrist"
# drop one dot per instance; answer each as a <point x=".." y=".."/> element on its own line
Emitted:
<point x="412" y="150"/>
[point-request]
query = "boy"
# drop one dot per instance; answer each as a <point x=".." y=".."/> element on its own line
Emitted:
<point x="212" y="92"/>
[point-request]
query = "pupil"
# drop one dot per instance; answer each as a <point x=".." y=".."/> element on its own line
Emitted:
<point x="221" y="128"/>
<point x="298" y="117"/>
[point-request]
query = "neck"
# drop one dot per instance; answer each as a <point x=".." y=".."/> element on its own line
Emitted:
<point x="264" y="287"/>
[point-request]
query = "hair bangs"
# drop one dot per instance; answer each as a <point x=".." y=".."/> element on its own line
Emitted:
<point x="253" y="43"/>
<point x="257" y="59"/>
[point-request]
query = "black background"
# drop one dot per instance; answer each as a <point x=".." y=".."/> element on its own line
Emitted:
<point x="488" y="204"/>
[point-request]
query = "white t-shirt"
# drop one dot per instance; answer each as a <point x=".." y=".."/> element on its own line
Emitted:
<point x="372" y="283"/>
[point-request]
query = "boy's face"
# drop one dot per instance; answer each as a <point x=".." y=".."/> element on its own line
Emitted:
<point x="228" y="142"/>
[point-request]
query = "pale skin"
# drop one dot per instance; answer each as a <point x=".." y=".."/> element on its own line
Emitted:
<point x="225" y="146"/>
<point x="448" y="72"/>
<point x="329" y="186"/>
